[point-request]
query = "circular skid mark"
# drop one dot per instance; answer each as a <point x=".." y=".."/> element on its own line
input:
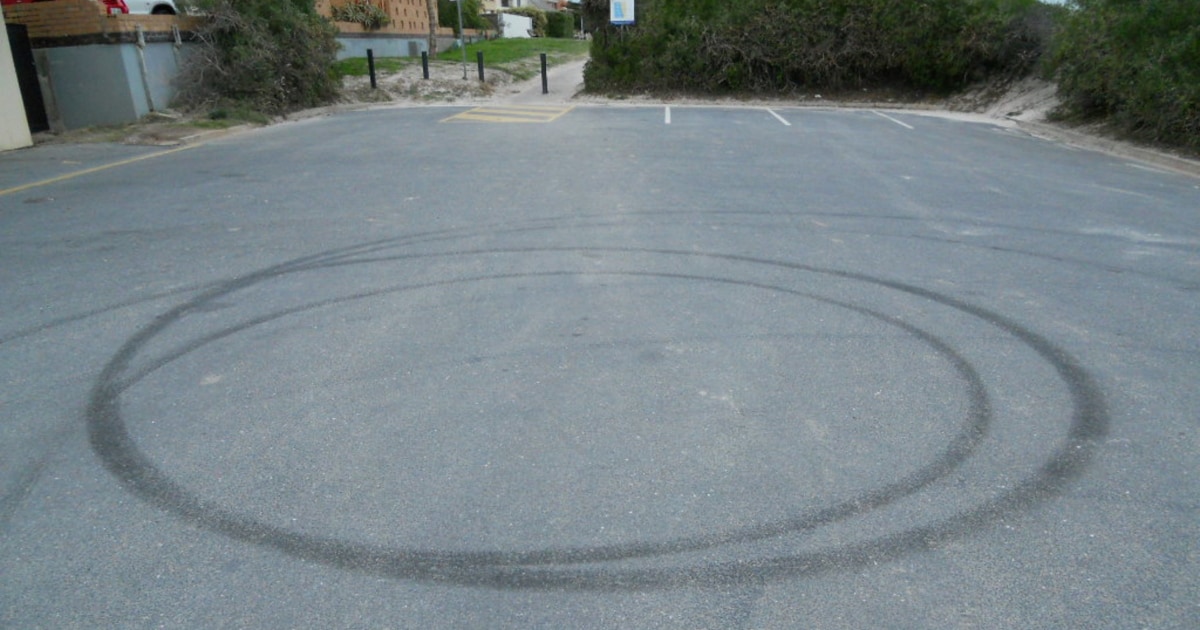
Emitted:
<point x="570" y="567"/>
<point x="969" y="432"/>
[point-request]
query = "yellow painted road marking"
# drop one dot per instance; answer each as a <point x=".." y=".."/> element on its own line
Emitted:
<point x="512" y="114"/>
<point x="94" y="169"/>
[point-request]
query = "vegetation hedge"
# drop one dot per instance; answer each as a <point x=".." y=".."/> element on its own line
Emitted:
<point x="273" y="56"/>
<point x="782" y="45"/>
<point x="1136" y="63"/>
<point x="560" y="24"/>
<point x="471" y="15"/>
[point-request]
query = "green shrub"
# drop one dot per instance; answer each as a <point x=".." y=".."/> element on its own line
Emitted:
<point x="273" y="56"/>
<point x="361" y="12"/>
<point x="1134" y="63"/>
<point x="782" y="45"/>
<point x="560" y="24"/>
<point x="472" y="16"/>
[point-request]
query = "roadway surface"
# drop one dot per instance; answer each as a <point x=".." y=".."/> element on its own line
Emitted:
<point x="608" y="367"/>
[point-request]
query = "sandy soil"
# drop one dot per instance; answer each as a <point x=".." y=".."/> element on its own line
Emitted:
<point x="448" y="84"/>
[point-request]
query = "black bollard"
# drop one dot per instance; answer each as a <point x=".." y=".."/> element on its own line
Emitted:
<point x="371" y="66"/>
<point x="545" y="85"/>
<point x="479" y="60"/>
<point x="425" y="63"/>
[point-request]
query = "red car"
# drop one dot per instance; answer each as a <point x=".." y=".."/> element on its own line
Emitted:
<point x="113" y="6"/>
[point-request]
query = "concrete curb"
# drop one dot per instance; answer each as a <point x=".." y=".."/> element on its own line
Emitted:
<point x="1048" y="131"/>
<point x="1110" y="146"/>
<point x="208" y="135"/>
<point x="213" y="134"/>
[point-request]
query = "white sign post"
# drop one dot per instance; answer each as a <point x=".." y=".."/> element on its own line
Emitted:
<point x="620" y="12"/>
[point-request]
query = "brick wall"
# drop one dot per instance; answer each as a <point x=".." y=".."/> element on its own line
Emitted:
<point x="58" y="19"/>
<point x="409" y="17"/>
<point x="76" y="18"/>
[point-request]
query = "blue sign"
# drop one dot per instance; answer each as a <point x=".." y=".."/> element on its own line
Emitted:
<point x="620" y="11"/>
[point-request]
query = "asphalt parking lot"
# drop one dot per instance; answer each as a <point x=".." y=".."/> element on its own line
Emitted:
<point x="597" y="366"/>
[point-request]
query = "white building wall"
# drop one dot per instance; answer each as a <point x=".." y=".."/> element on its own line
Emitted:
<point x="516" y="26"/>
<point x="14" y="129"/>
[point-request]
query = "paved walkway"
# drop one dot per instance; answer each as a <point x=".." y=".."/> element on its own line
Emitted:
<point x="563" y="82"/>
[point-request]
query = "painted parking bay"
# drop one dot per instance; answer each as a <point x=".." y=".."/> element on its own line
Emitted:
<point x="512" y="114"/>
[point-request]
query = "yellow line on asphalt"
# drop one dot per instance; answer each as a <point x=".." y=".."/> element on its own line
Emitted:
<point x="518" y="111"/>
<point x="94" y="169"/>
<point x="515" y="114"/>
<point x="528" y="107"/>
<point x="494" y="119"/>
<point x="470" y="117"/>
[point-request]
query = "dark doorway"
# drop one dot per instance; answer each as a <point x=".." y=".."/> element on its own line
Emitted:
<point x="27" y="78"/>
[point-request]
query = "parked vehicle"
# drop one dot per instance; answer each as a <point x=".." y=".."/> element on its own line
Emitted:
<point x="153" y="7"/>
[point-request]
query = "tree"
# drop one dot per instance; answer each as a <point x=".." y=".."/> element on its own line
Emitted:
<point x="1136" y="64"/>
<point x="432" y="7"/>
<point x="472" y="15"/>
<point x="560" y="24"/>
<point x="273" y="56"/>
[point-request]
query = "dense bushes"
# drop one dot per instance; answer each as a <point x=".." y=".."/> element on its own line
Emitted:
<point x="471" y="15"/>
<point x="1136" y="63"/>
<point x="274" y="56"/>
<point x="780" y="45"/>
<point x="560" y="24"/>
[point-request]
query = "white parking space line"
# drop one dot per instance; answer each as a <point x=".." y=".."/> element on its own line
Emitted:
<point x="780" y="118"/>
<point x="902" y="124"/>
<point x="667" y="115"/>
<point x="1147" y="168"/>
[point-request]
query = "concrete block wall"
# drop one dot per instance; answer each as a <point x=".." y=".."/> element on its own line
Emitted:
<point x="90" y="65"/>
<point x="93" y="72"/>
<point x="382" y="46"/>
<point x="103" y="84"/>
